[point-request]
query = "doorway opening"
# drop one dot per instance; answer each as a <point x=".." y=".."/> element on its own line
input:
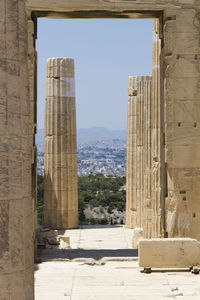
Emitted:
<point x="91" y="245"/>
<point x="106" y="53"/>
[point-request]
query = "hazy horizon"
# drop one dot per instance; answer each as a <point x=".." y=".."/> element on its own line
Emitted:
<point x="42" y="128"/>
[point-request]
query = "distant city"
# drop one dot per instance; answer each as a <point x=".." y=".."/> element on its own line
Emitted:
<point x="99" y="150"/>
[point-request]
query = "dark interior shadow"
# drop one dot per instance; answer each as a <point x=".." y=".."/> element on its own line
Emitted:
<point x="170" y="270"/>
<point x="83" y="253"/>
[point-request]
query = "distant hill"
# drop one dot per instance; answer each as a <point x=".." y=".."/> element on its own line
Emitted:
<point x="99" y="133"/>
<point x="89" y="134"/>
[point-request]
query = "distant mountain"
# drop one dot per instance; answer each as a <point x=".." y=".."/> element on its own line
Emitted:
<point x="89" y="134"/>
<point x="99" y="133"/>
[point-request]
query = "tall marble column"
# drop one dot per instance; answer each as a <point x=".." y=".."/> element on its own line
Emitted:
<point x="146" y="86"/>
<point x="138" y="207"/>
<point x="16" y="205"/>
<point x="157" y="135"/>
<point x="141" y="151"/>
<point x="131" y="154"/>
<point x="60" y="161"/>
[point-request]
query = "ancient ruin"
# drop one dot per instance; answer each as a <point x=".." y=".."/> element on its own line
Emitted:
<point x="131" y="155"/>
<point x="164" y="212"/>
<point x="60" y="157"/>
<point x="146" y="204"/>
<point x="175" y="134"/>
<point x="138" y="199"/>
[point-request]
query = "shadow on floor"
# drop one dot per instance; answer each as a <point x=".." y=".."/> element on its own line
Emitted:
<point x="82" y="253"/>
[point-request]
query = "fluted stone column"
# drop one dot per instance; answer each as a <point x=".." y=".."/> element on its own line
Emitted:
<point x="143" y="92"/>
<point x="158" y="147"/>
<point x="147" y="159"/>
<point x="138" y="210"/>
<point x="60" y="161"/>
<point x="16" y="206"/>
<point x="139" y="150"/>
<point x="131" y="154"/>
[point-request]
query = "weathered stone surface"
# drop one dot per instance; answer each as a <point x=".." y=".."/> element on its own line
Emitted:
<point x="175" y="167"/>
<point x="145" y="150"/>
<point x="60" y="161"/>
<point x="44" y="234"/>
<point x="137" y="236"/>
<point x="131" y="154"/>
<point x="169" y="253"/>
<point x="157" y="137"/>
<point x="32" y="70"/>
<point x="182" y="73"/>
<point x="16" y="206"/>
<point x="53" y="240"/>
<point x="174" y="155"/>
<point x="138" y="153"/>
<point x="108" y="8"/>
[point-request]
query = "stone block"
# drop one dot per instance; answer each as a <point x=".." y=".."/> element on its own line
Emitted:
<point x="53" y="240"/>
<point x="183" y="156"/>
<point x="183" y="88"/>
<point x="45" y="233"/>
<point x="5" y="285"/>
<point x="183" y="133"/>
<point x="60" y="87"/>
<point x="60" y="67"/>
<point x="186" y="43"/>
<point x="169" y="253"/>
<point x="187" y="21"/>
<point x="15" y="176"/>
<point x="182" y="66"/>
<point x="181" y="111"/>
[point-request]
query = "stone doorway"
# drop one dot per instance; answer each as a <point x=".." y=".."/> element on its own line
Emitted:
<point x="177" y="139"/>
<point x="88" y="250"/>
<point x="70" y="41"/>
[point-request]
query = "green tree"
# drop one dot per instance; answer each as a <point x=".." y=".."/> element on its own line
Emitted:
<point x="98" y="190"/>
<point x="94" y="190"/>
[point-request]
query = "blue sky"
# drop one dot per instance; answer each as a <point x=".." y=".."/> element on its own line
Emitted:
<point x="106" y="52"/>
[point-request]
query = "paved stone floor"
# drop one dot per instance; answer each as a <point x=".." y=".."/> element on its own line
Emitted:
<point x="101" y="265"/>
